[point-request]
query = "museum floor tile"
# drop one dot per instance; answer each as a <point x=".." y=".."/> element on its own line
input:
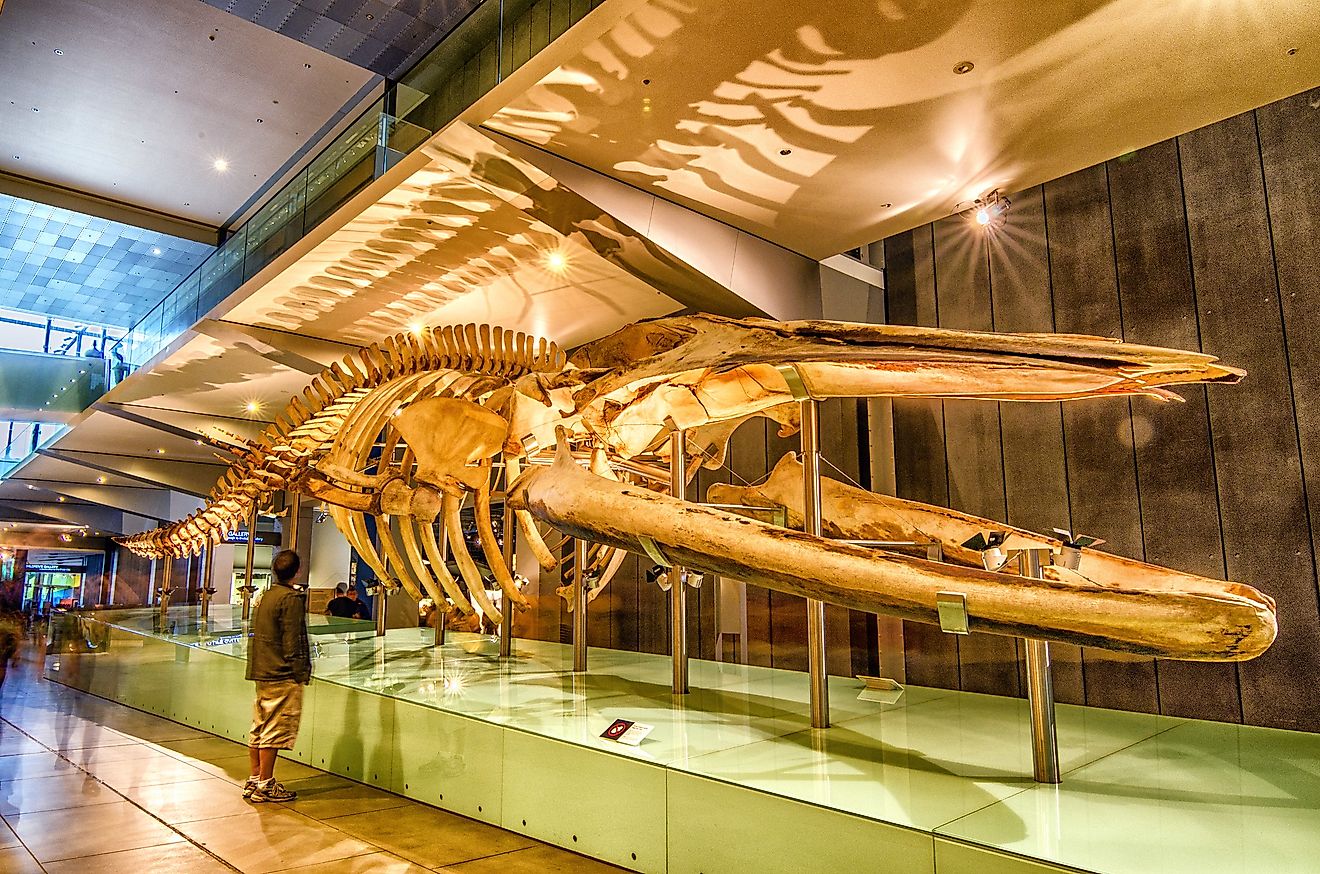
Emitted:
<point x="931" y="780"/>
<point x="94" y="787"/>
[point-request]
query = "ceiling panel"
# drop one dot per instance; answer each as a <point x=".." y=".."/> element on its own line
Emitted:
<point x="102" y="432"/>
<point x="133" y="100"/>
<point x="384" y="36"/>
<point x="475" y="234"/>
<point x="824" y="126"/>
<point x="209" y="378"/>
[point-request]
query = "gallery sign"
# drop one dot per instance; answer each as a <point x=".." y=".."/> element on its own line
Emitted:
<point x="264" y="538"/>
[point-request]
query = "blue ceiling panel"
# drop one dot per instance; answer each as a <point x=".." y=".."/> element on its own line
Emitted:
<point x="57" y="262"/>
<point x="384" y="36"/>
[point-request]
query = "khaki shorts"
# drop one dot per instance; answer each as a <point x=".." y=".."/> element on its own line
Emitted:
<point x="276" y="715"/>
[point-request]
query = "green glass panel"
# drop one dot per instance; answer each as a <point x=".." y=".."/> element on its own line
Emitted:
<point x="449" y="761"/>
<point x="718" y="827"/>
<point x="605" y="806"/>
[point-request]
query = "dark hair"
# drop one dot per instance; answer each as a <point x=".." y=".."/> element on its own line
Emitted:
<point x="285" y="565"/>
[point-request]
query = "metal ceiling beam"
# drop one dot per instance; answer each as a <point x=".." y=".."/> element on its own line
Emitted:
<point x="99" y="518"/>
<point x="856" y="269"/>
<point x="102" y="207"/>
<point x="44" y="540"/>
<point x="149" y="503"/>
<point x="121" y="466"/>
<point x="122" y="412"/>
<point x="278" y="346"/>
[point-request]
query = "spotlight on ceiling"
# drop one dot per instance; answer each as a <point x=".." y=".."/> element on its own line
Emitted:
<point x="416" y="328"/>
<point x="988" y="211"/>
<point x="220" y="165"/>
<point x="556" y="261"/>
<point x="252" y="406"/>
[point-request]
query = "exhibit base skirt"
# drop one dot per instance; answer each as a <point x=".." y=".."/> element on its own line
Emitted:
<point x="732" y="778"/>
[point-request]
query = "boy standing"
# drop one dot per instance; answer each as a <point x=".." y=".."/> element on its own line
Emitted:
<point x="279" y="661"/>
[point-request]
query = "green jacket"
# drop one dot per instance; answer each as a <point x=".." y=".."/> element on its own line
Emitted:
<point x="278" y="648"/>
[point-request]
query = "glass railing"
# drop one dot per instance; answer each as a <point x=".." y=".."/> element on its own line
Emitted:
<point x="496" y="38"/>
<point x="18" y="440"/>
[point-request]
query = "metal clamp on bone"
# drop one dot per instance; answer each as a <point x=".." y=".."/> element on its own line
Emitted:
<point x="793" y="378"/>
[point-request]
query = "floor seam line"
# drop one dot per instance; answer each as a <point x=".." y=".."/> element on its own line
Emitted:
<point x="79" y="767"/>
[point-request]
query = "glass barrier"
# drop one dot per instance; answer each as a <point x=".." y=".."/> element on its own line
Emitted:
<point x="18" y="440"/>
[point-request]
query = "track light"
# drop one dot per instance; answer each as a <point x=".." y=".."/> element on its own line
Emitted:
<point x="658" y="575"/>
<point x="991" y="546"/>
<point x="988" y="211"/>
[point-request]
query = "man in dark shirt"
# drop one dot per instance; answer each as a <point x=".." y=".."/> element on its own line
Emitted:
<point x="346" y="604"/>
<point x="279" y="662"/>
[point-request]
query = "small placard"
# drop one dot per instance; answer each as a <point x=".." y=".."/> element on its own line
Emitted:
<point x="880" y="690"/>
<point x="627" y="732"/>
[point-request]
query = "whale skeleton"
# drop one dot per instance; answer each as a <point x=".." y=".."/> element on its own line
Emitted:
<point x="408" y="430"/>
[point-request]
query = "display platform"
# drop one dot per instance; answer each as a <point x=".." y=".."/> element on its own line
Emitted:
<point x="732" y="778"/>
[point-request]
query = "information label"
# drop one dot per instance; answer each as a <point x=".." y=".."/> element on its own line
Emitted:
<point x="627" y="732"/>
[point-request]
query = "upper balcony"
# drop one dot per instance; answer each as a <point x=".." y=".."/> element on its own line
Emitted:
<point x="494" y="40"/>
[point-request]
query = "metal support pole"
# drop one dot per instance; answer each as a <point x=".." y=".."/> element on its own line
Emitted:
<point x="1040" y="696"/>
<point x="165" y="590"/>
<point x="294" y="507"/>
<point x="441" y="624"/>
<point x="208" y="574"/>
<point x="811" y="524"/>
<point x="381" y="597"/>
<point x="678" y="647"/>
<point x="507" y="527"/>
<point x="580" y="606"/>
<point x="248" y="588"/>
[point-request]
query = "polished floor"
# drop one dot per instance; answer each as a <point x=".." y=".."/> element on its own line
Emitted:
<point x="94" y="787"/>
<point x="1142" y="793"/>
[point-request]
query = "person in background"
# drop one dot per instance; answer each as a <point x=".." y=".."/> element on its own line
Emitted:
<point x="11" y="638"/>
<point x="279" y="662"/>
<point x="118" y="366"/>
<point x="346" y="604"/>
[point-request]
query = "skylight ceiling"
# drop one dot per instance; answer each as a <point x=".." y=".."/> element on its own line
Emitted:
<point x="56" y="262"/>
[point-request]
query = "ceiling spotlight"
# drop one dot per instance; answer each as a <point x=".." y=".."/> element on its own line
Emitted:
<point x="155" y="251"/>
<point x="556" y="261"/>
<point x="160" y="451"/>
<point x="252" y="406"/>
<point x="988" y="211"/>
<point x="59" y="51"/>
<point x="220" y="165"/>
<point x="101" y="479"/>
<point x="61" y="499"/>
<point x="64" y="538"/>
<point x="416" y="327"/>
<point x="963" y="67"/>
